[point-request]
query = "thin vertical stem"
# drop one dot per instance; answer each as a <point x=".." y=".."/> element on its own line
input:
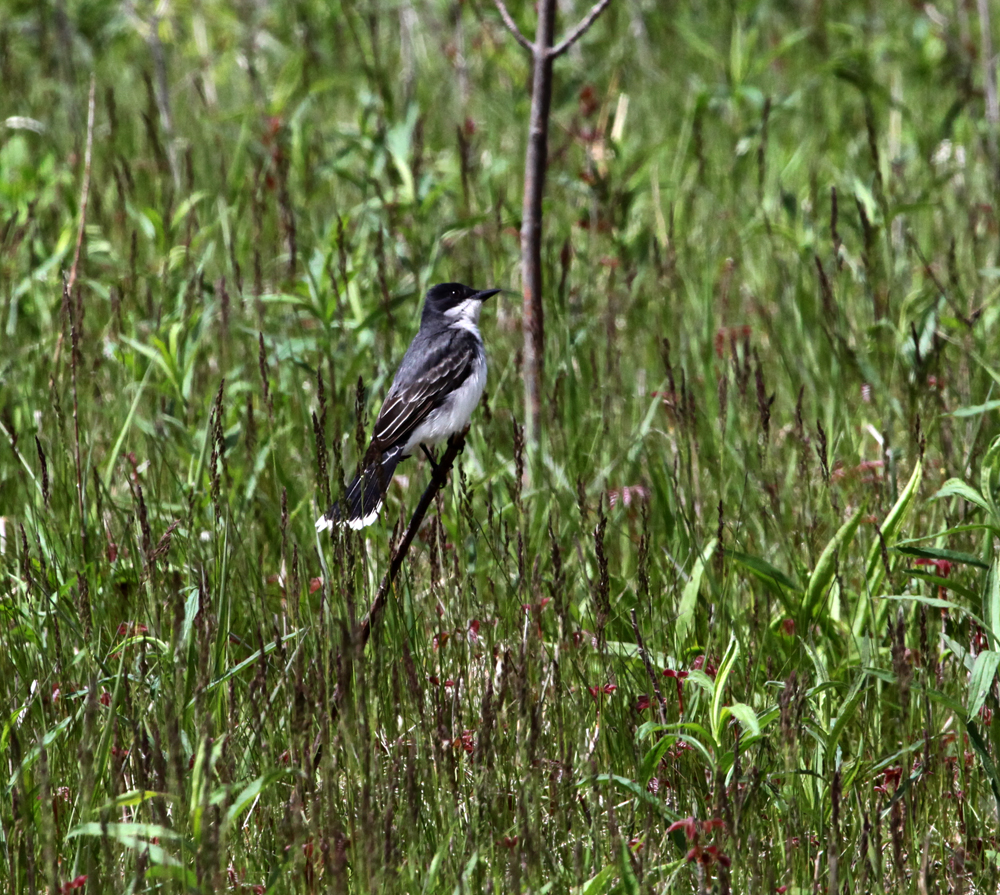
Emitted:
<point x="531" y="223"/>
<point x="989" y="86"/>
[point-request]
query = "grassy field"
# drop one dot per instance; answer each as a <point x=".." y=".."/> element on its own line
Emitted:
<point x="733" y="625"/>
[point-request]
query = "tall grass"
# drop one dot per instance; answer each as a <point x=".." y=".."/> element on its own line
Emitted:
<point x="734" y="627"/>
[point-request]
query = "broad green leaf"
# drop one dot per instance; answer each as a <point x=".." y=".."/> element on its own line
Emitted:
<point x="699" y="746"/>
<point x="597" y="885"/>
<point x="399" y="139"/>
<point x="989" y="479"/>
<point x="430" y="878"/>
<point x="647" y="422"/>
<point x="135" y="836"/>
<point x="167" y="867"/>
<point x="698" y="677"/>
<point x="47" y="740"/>
<point x="822" y="575"/>
<point x="721" y="678"/>
<point x="680" y="729"/>
<point x="949" y="584"/>
<point x="648" y="728"/>
<point x="950" y="555"/>
<point x="184" y="208"/>
<point x="746" y="716"/>
<point x="875" y="572"/>
<point x="959" y="651"/>
<point x="958" y="488"/>
<point x="137" y="797"/>
<point x="983" y="751"/>
<point x="689" y="596"/>
<point x="937" y="603"/>
<point x="762" y="569"/>
<point x="651" y="760"/>
<point x="249" y="660"/>
<point x="190" y="613"/>
<point x="977" y="410"/>
<point x="847" y="710"/>
<point x="991" y="602"/>
<point x="944" y="533"/>
<point x="112" y="457"/>
<point x="981" y="680"/>
<point x="629" y="881"/>
<point x="470" y="866"/>
<point x="633" y="788"/>
<point x="250" y="792"/>
<point x="953" y="705"/>
<point x="125" y="832"/>
<point x="692" y="37"/>
<point x="206" y="753"/>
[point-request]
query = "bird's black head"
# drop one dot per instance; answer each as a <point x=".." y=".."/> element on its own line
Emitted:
<point x="447" y="296"/>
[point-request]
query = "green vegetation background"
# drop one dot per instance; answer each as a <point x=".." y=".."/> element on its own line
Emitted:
<point x="771" y="265"/>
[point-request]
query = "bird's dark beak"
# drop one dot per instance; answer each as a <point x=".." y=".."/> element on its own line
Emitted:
<point x="485" y="294"/>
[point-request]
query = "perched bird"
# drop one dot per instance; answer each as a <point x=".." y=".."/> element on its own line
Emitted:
<point x="436" y="388"/>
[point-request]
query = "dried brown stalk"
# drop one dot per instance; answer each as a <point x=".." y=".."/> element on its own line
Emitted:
<point x="439" y="478"/>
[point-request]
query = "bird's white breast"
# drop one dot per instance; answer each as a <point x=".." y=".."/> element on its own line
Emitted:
<point x="454" y="414"/>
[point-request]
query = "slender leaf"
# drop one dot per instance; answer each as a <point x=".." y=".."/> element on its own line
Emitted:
<point x="689" y="596"/>
<point x="822" y="575"/>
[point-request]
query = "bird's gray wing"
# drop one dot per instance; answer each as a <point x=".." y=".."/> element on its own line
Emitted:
<point x="414" y="395"/>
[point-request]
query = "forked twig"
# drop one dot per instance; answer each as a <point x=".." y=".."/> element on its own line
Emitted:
<point x="512" y="26"/>
<point x="580" y="29"/>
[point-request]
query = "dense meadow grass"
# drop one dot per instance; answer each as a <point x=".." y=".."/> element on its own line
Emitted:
<point x="731" y="625"/>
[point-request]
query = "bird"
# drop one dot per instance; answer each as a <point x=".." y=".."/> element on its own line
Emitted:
<point x="437" y="386"/>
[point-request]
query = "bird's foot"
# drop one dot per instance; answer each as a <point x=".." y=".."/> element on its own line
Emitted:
<point x="430" y="457"/>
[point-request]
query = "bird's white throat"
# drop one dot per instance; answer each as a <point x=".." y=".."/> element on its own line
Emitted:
<point x="465" y="315"/>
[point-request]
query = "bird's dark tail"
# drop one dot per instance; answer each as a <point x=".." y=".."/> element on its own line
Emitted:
<point x="364" y="497"/>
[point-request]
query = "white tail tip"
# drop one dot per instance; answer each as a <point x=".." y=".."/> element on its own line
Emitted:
<point x="325" y="523"/>
<point x="366" y="520"/>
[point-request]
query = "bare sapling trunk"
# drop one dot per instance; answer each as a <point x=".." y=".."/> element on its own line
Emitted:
<point x="543" y="55"/>
<point x="531" y="218"/>
<point x="990" y="87"/>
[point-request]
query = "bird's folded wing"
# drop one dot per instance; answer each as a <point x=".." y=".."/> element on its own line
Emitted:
<point x="408" y="403"/>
